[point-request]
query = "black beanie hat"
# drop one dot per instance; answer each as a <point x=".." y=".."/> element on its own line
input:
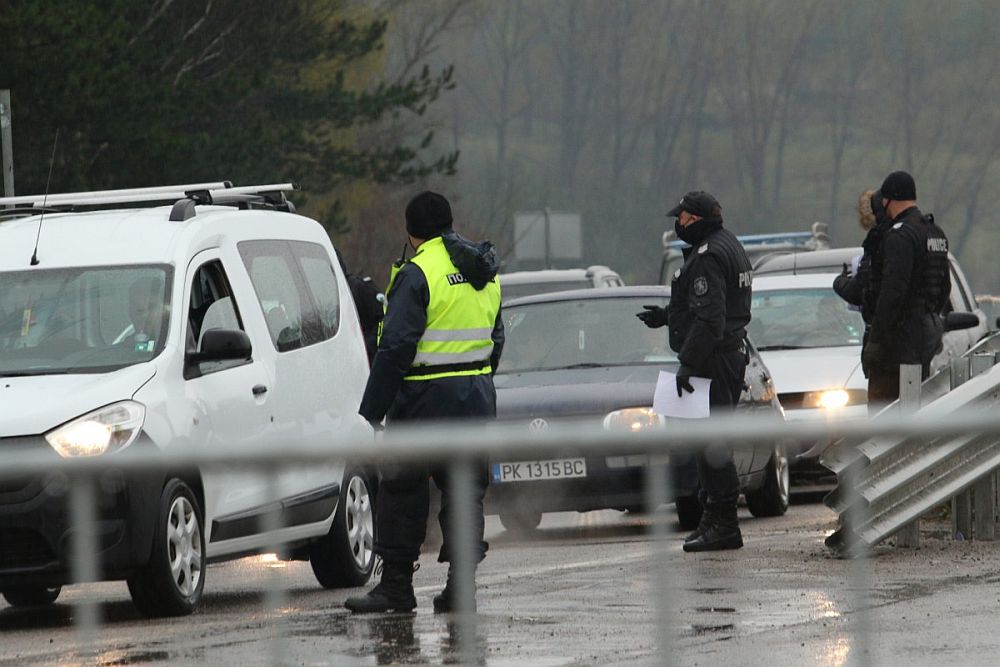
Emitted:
<point x="428" y="215"/>
<point x="899" y="186"/>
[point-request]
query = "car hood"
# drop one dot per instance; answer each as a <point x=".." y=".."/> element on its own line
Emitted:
<point x="36" y="404"/>
<point x="815" y="369"/>
<point x="577" y="391"/>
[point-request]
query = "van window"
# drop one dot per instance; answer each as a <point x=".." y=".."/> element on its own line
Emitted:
<point x="959" y="298"/>
<point x="82" y="320"/>
<point x="293" y="318"/>
<point x="212" y="306"/>
<point x="321" y="281"/>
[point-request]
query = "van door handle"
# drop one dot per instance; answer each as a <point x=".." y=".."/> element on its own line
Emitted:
<point x="259" y="390"/>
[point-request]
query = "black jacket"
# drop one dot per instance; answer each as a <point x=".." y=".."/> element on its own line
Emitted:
<point x="861" y="288"/>
<point x="914" y="292"/>
<point x="386" y="394"/>
<point x="370" y="311"/>
<point x="709" y="296"/>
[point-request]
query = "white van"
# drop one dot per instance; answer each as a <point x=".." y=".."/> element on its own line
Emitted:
<point x="221" y="321"/>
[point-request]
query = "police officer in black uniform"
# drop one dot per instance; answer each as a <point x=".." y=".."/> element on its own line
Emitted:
<point x="912" y="291"/>
<point x="862" y="287"/>
<point x="707" y="318"/>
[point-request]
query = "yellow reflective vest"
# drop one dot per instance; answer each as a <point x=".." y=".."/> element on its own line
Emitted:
<point x="457" y="338"/>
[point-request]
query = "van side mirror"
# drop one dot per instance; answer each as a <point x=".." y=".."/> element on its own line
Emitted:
<point x="956" y="321"/>
<point x="222" y="345"/>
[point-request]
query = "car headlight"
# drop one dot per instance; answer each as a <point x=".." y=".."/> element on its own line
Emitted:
<point x="633" y="419"/>
<point x="109" y="429"/>
<point x="834" y="399"/>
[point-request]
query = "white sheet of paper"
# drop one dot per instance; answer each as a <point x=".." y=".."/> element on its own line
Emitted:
<point x="688" y="406"/>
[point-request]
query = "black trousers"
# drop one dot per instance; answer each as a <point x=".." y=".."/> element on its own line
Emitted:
<point x="403" y="505"/>
<point x="720" y="484"/>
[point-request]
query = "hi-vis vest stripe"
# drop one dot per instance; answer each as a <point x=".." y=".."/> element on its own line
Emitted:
<point x="457" y="339"/>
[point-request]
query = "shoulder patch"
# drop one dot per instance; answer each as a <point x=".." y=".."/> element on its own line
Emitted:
<point x="700" y="286"/>
<point x="897" y="225"/>
<point x="677" y="274"/>
<point x="703" y="249"/>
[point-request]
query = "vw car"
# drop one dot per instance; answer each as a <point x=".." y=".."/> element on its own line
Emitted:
<point x="160" y="330"/>
<point x="582" y="356"/>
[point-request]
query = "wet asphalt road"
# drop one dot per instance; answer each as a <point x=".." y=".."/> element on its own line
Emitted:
<point x="579" y="591"/>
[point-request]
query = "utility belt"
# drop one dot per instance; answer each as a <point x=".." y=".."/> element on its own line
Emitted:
<point x="417" y="371"/>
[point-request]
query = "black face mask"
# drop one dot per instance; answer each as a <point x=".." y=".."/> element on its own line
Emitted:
<point x="696" y="231"/>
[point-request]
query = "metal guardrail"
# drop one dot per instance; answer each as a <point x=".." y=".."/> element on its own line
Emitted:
<point x="458" y="445"/>
<point x="897" y="479"/>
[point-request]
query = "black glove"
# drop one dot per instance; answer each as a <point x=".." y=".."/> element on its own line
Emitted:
<point x="653" y="316"/>
<point x="872" y="356"/>
<point x="684" y="381"/>
<point x="847" y="271"/>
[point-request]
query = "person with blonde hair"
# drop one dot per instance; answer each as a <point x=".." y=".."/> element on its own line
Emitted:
<point x="860" y="286"/>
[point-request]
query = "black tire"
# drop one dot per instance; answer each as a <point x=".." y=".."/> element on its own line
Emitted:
<point x="519" y="518"/>
<point x="688" y="512"/>
<point x="158" y="589"/>
<point x="35" y="596"/>
<point x="343" y="558"/>
<point x="772" y="498"/>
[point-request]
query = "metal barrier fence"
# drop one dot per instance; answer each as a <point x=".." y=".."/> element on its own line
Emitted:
<point x="459" y="445"/>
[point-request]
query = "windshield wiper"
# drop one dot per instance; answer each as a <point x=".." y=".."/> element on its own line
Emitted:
<point x="33" y="372"/>
<point x="771" y="348"/>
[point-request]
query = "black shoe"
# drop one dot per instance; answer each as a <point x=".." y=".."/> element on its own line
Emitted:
<point x="447" y="601"/>
<point x="393" y="593"/>
<point x="717" y="537"/>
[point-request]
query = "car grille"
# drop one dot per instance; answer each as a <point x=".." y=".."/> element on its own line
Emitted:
<point x="19" y="489"/>
<point x="792" y="400"/>
<point x="20" y="547"/>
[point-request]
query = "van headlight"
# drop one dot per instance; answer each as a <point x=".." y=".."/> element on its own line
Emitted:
<point x="633" y="419"/>
<point x="834" y="399"/>
<point x="109" y="429"/>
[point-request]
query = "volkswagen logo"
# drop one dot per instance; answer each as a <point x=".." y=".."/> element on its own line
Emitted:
<point x="538" y="424"/>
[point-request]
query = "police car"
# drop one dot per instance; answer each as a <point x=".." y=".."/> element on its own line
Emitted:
<point x="220" y="321"/>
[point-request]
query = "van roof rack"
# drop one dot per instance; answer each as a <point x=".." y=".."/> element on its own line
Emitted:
<point x="185" y="198"/>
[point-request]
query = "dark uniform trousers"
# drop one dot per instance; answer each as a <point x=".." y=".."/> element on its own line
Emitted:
<point x="716" y="470"/>
<point x="403" y="501"/>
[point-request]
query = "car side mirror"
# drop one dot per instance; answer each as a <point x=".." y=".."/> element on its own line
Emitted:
<point x="222" y="345"/>
<point x="956" y="321"/>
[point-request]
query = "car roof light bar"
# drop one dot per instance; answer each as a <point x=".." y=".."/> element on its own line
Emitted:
<point x="133" y="194"/>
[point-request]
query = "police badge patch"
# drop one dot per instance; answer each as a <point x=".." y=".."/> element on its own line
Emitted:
<point x="700" y="287"/>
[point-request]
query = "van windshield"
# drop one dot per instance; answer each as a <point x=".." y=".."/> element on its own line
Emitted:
<point x="82" y="320"/>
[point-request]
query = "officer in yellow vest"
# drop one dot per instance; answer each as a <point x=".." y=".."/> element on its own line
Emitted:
<point x="440" y="343"/>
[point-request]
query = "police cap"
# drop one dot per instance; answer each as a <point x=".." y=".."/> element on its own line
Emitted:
<point x="899" y="186"/>
<point x="698" y="203"/>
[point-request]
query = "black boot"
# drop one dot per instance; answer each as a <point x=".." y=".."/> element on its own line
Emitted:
<point x="393" y="593"/>
<point x="447" y="600"/>
<point x="721" y="532"/>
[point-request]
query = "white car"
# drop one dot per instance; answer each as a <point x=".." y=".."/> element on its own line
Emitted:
<point x="147" y="329"/>
<point x="811" y="341"/>
<point x="528" y="283"/>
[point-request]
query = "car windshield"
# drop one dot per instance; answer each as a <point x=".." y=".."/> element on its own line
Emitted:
<point x="582" y="333"/>
<point x="527" y="289"/>
<point x="803" y="318"/>
<point x="82" y="320"/>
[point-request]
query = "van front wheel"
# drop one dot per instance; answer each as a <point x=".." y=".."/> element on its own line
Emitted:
<point x="172" y="581"/>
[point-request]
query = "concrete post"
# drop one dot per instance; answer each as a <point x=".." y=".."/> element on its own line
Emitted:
<point x="6" y="144"/>
<point x="961" y="505"/>
<point x="909" y="401"/>
<point x="984" y="492"/>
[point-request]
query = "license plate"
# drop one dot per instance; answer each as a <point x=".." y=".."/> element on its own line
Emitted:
<point x="531" y="471"/>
